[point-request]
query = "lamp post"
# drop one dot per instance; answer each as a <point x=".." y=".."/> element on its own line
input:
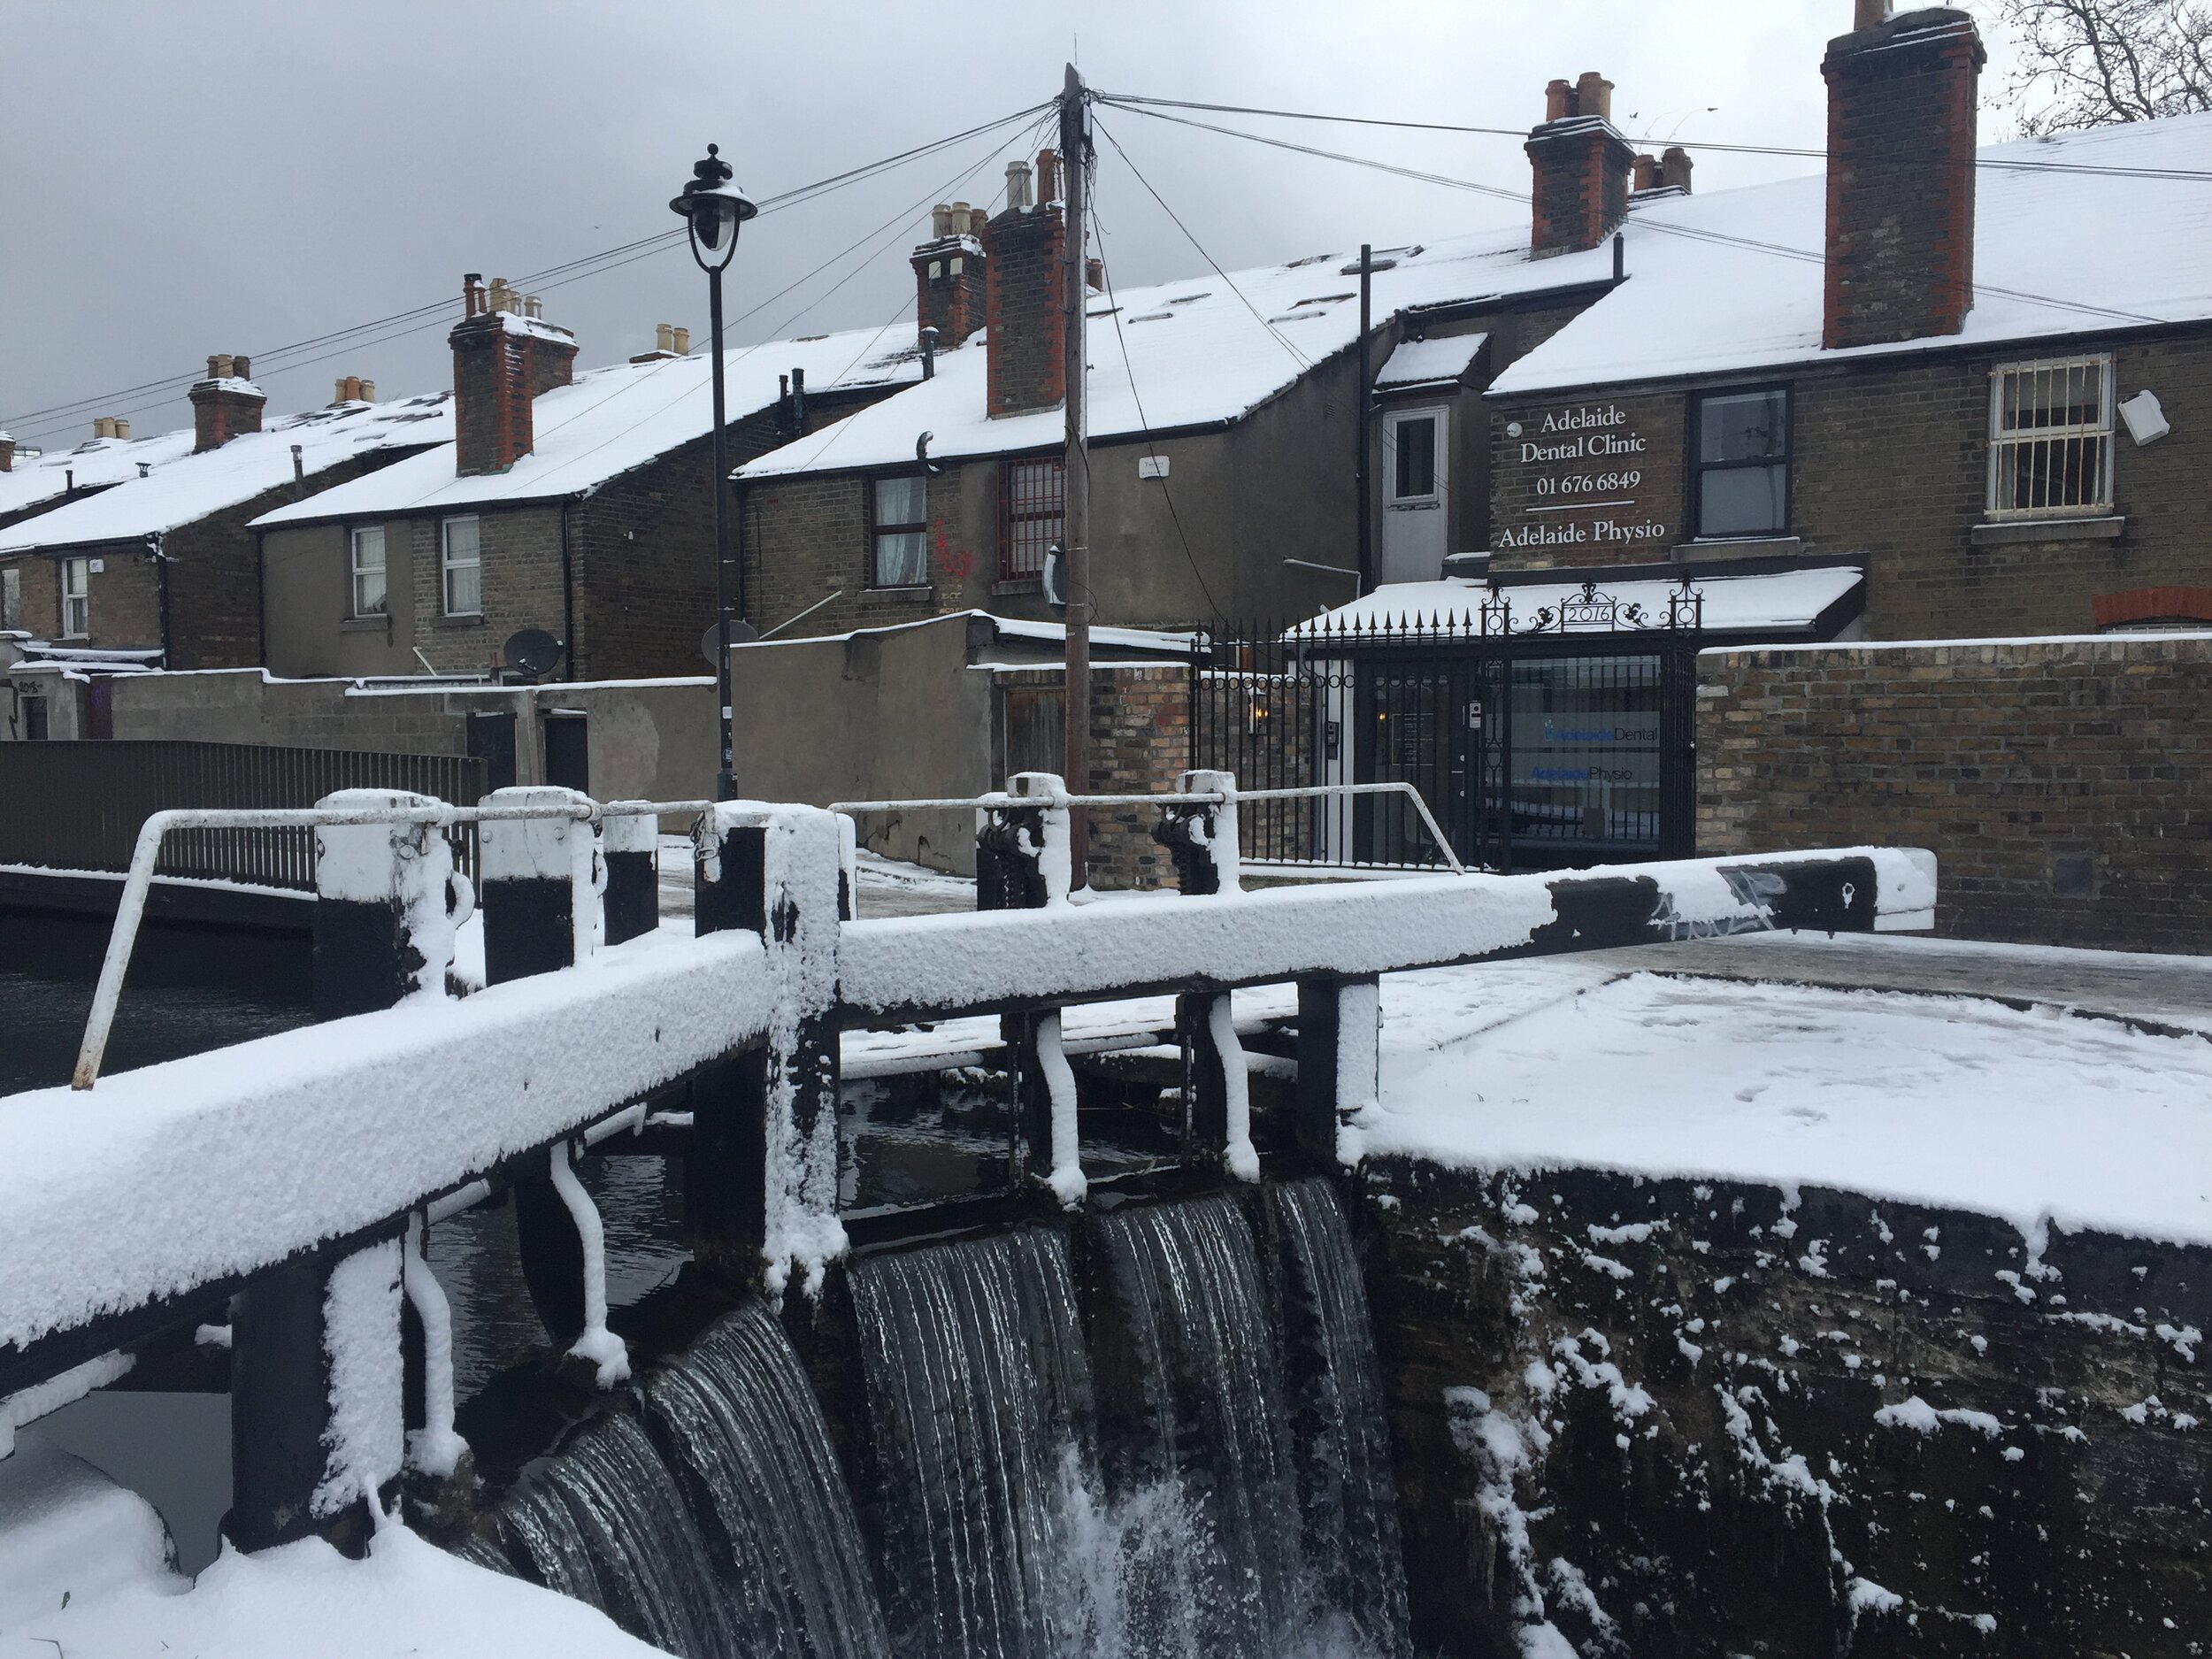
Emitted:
<point x="713" y="208"/>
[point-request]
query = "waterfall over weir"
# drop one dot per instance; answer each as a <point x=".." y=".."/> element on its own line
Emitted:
<point x="725" y="1531"/>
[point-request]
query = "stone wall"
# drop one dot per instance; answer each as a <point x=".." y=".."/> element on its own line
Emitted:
<point x="1683" y="1418"/>
<point x="2065" y="786"/>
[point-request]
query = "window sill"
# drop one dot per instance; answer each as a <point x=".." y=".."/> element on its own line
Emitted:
<point x="1017" y="585"/>
<point x="364" y="625"/>
<point x="476" y="621"/>
<point x="2001" y="531"/>
<point x="914" y="591"/>
<point x="1738" y="546"/>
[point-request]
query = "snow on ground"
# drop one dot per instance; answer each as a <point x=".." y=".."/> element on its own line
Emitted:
<point x="2040" y="1117"/>
<point x="410" y="1599"/>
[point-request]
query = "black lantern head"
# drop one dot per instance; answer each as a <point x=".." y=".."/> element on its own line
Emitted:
<point x="714" y="208"/>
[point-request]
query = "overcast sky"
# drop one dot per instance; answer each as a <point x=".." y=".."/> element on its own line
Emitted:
<point x="177" y="179"/>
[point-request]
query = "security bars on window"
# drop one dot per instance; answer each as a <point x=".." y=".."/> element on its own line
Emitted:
<point x="1032" y="497"/>
<point x="2050" y="437"/>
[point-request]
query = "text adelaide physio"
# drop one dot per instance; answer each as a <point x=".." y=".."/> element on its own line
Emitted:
<point x="1599" y="444"/>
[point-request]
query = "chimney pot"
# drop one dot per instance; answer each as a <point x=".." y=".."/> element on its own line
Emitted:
<point x="1866" y="14"/>
<point x="1899" y="257"/>
<point x="242" y="367"/>
<point x="102" y="427"/>
<point x="368" y="391"/>
<point x="1675" y="167"/>
<point x="940" y="219"/>
<point x="218" y="368"/>
<point x="1094" y="274"/>
<point x="1559" y="100"/>
<point x="122" y="428"/>
<point x="663" y="337"/>
<point x="682" y="346"/>
<point x="1646" y="172"/>
<point x="1594" y="96"/>
<point x="1047" y="176"/>
<point x="1016" y="186"/>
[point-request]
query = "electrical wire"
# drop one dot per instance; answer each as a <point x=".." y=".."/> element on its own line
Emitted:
<point x="2000" y="163"/>
<point x="550" y="277"/>
<point x="1297" y="357"/>
<point x="1643" y="221"/>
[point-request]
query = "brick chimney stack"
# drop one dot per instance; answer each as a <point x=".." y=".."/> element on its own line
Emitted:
<point x="224" y="404"/>
<point x="7" y="453"/>
<point x="948" y="282"/>
<point x="504" y="356"/>
<point x="1028" y="334"/>
<point x="1582" y="167"/>
<point x="1901" y="176"/>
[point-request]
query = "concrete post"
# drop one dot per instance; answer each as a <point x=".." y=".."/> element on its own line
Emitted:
<point x="541" y="911"/>
<point x="762" y="1171"/>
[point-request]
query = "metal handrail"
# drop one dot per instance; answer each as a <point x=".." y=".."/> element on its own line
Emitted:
<point x="999" y="800"/>
<point x="131" y="910"/>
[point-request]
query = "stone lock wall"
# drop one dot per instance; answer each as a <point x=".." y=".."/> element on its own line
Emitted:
<point x="1671" y="1417"/>
<point x="2065" y="786"/>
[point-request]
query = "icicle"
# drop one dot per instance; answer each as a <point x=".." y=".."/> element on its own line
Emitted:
<point x="1066" y="1180"/>
<point x="433" y="1448"/>
<point x="601" y="1347"/>
<point x="1237" y="1152"/>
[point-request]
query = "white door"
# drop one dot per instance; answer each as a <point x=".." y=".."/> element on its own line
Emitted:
<point x="1417" y="494"/>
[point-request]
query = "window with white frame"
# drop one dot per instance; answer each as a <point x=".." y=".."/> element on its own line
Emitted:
<point x="901" y="525"/>
<point x="2050" y="437"/>
<point x="461" y="564"/>
<point x="76" y="598"/>
<point x="366" y="565"/>
<point x="11" y="598"/>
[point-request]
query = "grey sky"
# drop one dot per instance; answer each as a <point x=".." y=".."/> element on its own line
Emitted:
<point x="181" y="178"/>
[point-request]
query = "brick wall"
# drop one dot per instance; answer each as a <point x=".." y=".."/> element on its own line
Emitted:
<point x="809" y="538"/>
<point x="1890" y="460"/>
<point x="1028" y="337"/>
<point x="2065" y="788"/>
<point x="1580" y="168"/>
<point x="1140" y="744"/>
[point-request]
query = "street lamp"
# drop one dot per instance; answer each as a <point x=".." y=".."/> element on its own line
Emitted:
<point x="713" y="208"/>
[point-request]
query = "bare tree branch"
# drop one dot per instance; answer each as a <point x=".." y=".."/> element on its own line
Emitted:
<point x="2092" y="63"/>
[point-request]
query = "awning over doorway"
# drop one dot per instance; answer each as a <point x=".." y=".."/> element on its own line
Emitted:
<point x="1795" y="604"/>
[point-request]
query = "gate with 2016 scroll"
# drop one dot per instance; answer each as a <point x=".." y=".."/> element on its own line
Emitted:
<point x="1559" y="737"/>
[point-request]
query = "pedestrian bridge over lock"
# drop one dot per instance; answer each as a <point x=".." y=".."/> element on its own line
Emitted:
<point x="295" y="1174"/>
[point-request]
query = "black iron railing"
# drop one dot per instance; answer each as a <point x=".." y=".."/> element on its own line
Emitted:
<point x="79" y="805"/>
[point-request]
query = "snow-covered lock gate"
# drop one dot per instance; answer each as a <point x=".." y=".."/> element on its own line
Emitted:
<point x="294" y="1176"/>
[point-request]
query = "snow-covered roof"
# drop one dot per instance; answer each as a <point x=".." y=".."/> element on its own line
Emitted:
<point x="93" y="465"/>
<point x="1002" y="627"/>
<point x="1198" y="352"/>
<point x="182" y="487"/>
<point x="2113" y="252"/>
<point x="1429" y="362"/>
<point x="613" y="419"/>
<point x="1782" y="601"/>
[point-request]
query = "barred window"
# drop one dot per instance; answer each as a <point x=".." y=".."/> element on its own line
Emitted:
<point x="368" y="562"/>
<point x="900" y="532"/>
<point x="1032" y="495"/>
<point x="2050" y="437"/>
<point x="461" y="558"/>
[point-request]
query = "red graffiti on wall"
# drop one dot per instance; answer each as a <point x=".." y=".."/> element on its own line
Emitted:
<point x="954" y="564"/>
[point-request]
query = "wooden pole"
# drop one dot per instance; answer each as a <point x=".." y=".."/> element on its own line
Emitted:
<point x="1075" y="536"/>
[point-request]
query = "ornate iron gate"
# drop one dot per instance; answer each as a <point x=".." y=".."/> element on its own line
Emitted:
<point x="1561" y="737"/>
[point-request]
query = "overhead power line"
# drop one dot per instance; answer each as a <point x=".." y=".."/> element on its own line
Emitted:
<point x="352" y="337"/>
<point x="2000" y="164"/>
<point x="1643" y="221"/>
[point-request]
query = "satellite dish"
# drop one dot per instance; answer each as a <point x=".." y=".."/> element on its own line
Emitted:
<point x="532" y="651"/>
<point x="741" y="633"/>
<point x="1055" y="577"/>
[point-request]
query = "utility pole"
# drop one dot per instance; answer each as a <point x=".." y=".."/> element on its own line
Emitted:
<point x="1075" y="532"/>
<point x="1366" y="560"/>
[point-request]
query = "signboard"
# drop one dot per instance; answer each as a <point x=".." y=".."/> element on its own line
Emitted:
<point x="1577" y="478"/>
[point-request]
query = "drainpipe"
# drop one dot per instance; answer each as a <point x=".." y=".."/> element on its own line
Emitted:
<point x="1366" y="374"/>
<point x="261" y="597"/>
<point x="155" y="552"/>
<point x="568" y="598"/>
<point x="736" y="487"/>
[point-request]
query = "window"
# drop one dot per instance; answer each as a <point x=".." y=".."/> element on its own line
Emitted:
<point x="76" y="598"/>
<point x="367" y="565"/>
<point x="900" y="523"/>
<point x="1742" y="465"/>
<point x="1413" y="464"/>
<point x="462" y="567"/>
<point x="2050" y="437"/>
<point x="1032" y="497"/>
<point x="11" y="598"/>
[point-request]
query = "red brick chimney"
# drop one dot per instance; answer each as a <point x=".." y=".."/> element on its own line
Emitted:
<point x="1028" y="335"/>
<point x="7" y="453"/>
<point x="1901" y="176"/>
<point x="948" y="283"/>
<point x="501" y="359"/>
<point x="1582" y="167"/>
<point x="225" y="403"/>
